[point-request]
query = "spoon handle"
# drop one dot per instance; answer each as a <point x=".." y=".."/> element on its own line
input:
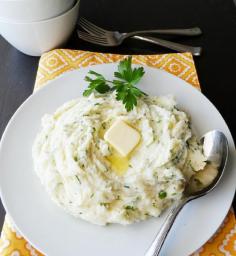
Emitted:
<point x="157" y="243"/>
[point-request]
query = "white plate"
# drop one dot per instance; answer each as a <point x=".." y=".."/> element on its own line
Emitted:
<point x="54" y="232"/>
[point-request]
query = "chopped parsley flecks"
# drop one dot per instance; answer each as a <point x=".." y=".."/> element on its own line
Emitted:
<point x="78" y="179"/>
<point x="106" y="205"/>
<point x="129" y="207"/>
<point x="162" y="194"/>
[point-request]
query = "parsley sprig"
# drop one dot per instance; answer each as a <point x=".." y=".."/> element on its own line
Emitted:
<point x="100" y="84"/>
<point x="124" y="83"/>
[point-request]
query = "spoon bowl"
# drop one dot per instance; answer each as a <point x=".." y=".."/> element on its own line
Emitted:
<point x="215" y="148"/>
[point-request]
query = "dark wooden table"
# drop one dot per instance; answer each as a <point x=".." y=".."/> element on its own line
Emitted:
<point x="216" y="67"/>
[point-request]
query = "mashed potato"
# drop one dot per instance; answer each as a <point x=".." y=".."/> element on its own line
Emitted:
<point x="86" y="176"/>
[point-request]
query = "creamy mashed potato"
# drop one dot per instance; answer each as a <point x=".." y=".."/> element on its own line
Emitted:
<point x="86" y="176"/>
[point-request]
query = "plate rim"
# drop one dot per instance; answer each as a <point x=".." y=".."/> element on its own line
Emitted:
<point x="51" y="83"/>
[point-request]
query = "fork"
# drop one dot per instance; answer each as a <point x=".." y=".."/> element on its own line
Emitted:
<point x="98" y="35"/>
<point x="94" y="29"/>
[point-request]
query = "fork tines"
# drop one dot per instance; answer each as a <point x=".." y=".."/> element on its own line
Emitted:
<point x="92" y="28"/>
<point x="92" y="38"/>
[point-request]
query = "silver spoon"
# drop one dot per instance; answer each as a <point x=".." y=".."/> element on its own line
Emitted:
<point x="215" y="148"/>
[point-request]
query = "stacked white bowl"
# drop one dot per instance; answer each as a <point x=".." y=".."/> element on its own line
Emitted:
<point x="37" y="26"/>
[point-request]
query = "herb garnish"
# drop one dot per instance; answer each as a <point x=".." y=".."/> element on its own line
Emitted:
<point x="99" y="83"/>
<point x="129" y="207"/>
<point x="106" y="205"/>
<point x="162" y="194"/>
<point x="124" y="84"/>
<point x="78" y="179"/>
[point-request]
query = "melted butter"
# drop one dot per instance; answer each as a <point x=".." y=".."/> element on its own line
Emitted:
<point x="102" y="131"/>
<point x="119" y="164"/>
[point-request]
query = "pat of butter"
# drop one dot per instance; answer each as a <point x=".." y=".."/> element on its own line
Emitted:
<point x="122" y="137"/>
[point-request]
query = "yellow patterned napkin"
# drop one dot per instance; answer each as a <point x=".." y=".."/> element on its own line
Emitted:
<point x="55" y="63"/>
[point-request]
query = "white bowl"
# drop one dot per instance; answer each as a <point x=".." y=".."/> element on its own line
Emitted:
<point x="35" y="38"/>
<point x="33" y="10"/>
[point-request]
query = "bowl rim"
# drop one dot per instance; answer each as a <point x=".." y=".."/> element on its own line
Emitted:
<point x="10" y="21"/>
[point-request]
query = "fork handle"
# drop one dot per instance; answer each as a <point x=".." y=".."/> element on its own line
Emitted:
<point x="196" y="51"/>
<point x="195" y="31"/>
